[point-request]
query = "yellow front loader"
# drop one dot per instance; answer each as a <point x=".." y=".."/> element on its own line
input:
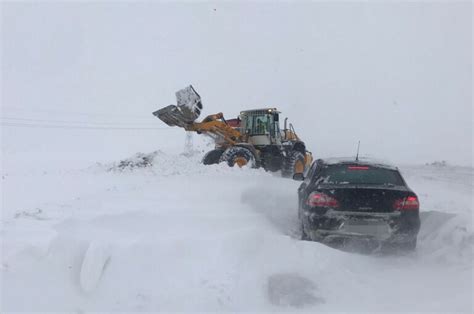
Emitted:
<point x="254" y="138"/>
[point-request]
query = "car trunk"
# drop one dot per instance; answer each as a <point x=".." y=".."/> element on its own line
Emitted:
<point x="366" y="199"/>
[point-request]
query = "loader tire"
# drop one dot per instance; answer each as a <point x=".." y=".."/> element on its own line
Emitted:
<point x="293" y="163"/>
<point x="239" y="156"/>
<point x="212" y="157"/>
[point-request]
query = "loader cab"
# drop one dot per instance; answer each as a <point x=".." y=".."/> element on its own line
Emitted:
<point x="262" y="126"/>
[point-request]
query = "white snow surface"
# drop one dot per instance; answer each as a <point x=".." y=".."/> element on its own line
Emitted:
<point x="181" y="236"/>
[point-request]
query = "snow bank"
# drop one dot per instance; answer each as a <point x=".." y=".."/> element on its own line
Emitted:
<point x="176" y="235"/>
<point x="446" y="195"/>
<point x="447" y="238"/>
<point x="163" y="164"/>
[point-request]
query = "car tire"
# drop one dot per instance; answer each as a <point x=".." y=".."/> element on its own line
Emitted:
<point x="409" y="246"/>
<point x="212" y="157"/>
<point x="401" y="247"/>
<point x="304" y="236"/>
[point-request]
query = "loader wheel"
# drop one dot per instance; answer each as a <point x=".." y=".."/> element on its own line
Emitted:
<point x="212" y="157"/>
<point x="293" y="163"/>
<point x="239" y="156"/>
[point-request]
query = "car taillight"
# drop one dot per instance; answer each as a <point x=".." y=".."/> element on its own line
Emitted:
<point x="407" y="203"/>
<point x="317" y="199"/>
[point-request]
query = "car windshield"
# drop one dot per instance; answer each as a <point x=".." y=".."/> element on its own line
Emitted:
<point x="360" y="174"/>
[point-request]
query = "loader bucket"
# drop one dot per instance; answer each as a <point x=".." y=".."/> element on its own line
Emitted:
<point x="188" y="108"/>
<point x="171" y="115"/>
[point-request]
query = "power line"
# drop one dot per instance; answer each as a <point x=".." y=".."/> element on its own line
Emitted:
<point x="75" y="127"/>
<point x="89" y="114"/>
<point x="70" y="121"/>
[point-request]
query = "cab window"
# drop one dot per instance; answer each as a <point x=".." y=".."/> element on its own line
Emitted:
<point x="261" y="124"/>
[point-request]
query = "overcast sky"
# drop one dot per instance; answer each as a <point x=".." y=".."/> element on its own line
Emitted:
<point x="396" y="76"/>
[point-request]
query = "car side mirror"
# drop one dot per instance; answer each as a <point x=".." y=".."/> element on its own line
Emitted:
<point x="298" y="177"/>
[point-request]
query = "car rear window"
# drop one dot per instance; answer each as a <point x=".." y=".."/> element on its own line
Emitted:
<point x="360" y="174"/>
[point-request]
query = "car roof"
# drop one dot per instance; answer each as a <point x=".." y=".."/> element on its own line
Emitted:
<point x="364" y="161"/>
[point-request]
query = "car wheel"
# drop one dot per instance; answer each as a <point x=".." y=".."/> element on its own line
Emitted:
<point x="304" y="236"/>
<point x="403" y="247"/>
<point x="408" y="246"/>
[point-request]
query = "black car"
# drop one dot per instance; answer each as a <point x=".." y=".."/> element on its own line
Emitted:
<point x="343" y="199"/>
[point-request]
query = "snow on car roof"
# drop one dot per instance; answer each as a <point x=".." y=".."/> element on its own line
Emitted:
<point x="362" y="160"/>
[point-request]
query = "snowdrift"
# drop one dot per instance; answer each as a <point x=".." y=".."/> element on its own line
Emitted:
<point x="161" y="232"/>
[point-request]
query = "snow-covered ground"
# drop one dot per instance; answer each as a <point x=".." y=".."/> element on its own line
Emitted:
<point x="180" y="236"/>
<point x="80" y="80"/>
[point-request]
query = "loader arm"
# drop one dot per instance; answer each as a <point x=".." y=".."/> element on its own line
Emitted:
<point x="215" y="126"/>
